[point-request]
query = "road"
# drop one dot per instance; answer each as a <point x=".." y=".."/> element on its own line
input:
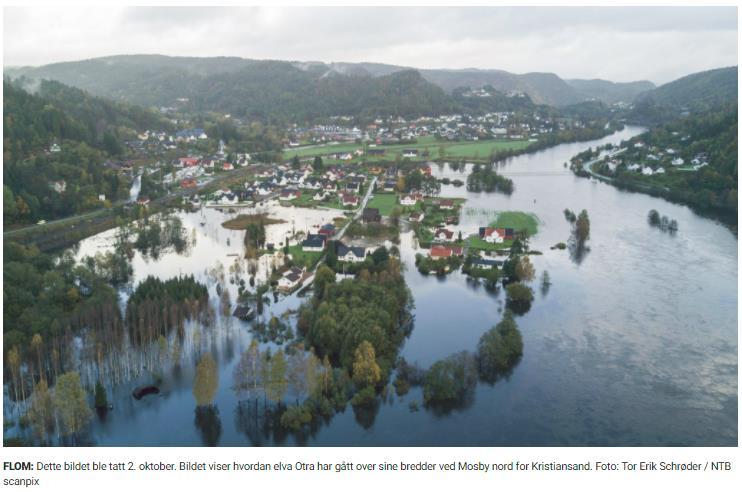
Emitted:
<point x="88" y="215"/>
<point x="588" y="166"/>
<point x="308" y="281"/>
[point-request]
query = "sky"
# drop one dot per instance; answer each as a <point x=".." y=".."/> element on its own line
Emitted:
<point x="614" y="43"/>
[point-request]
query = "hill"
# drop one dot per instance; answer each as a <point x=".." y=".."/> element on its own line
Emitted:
<point x="256" y="89"/>
<point x="610" y="92"/>
<point x="708" y="139"/>
<point x="696" y="93"/>
<point x="310" y="89"/>
<point x="62" y="134"/>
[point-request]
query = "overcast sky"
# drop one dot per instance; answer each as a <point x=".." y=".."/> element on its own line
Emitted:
<point x="620" y="44"/>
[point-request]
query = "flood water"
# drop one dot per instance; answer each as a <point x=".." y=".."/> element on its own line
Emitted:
<point x="635" y="344"/>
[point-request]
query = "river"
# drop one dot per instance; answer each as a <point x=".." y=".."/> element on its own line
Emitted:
<point x="633" y="345"/>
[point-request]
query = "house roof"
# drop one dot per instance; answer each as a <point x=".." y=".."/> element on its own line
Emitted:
<point x="357" y="251"/>
<point x="440" y="251"/>
<point x="314" y="241"/>
<point x="446" y="232"/>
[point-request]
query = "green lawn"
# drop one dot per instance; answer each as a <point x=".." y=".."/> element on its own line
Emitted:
<point x="385" y="202"/>
<point x="305" y="200"/>
<point x="304" y="258"/>
<point x="473" y="150"/>
<point x="475" y="242"/>
<point x="517" y="220"/>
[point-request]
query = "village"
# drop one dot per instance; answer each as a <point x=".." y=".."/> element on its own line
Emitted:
<point x="421" y="138"/>
<point x="640" y="158"/>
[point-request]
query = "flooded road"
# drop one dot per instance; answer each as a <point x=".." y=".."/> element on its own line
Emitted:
<point x="635" y="343"/>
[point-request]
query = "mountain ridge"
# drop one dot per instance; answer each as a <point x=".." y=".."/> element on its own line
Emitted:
<point x="542" y="87"/>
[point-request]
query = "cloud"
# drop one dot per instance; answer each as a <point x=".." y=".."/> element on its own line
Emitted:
<point x="617" y="43"/>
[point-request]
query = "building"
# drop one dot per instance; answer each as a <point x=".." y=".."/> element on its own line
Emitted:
<point x="409" y="200"/>
<point x="371" y="215"/>
<point x="348" y="200"/>
<point x="443" y="235"/>
<point x="327" y="230"/>
<point x="447" y="205"/>
<point x="485" y="263"/>
<point x="287" y="195"/>
<point x="58" y="186"/>
<point x="314" y="242"/>
<point x="417" y="216"/>
<point x="496" y="235"/>
<point x="290" y="278"/>
<point x="188" y="183"/>
<point x="188" y="161"/>
<point x="352" y="254"/>
<point x="438" y="251"/>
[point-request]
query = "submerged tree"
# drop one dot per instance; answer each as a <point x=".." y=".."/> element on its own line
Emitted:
<point x="366" y="371"/>
<point x="277" y="383"/>
<point x="41" y="413"/>
<point x="101" y="399"/>
<point x="206" y="381"/>
<point x="519" y="297"/>
<point x="545" y="283"/>
<point x="582" y="227"/>
<point x="208" y="422"/>
<point x="71" y="403"/>
<point x="524" y="269"/>
<point x="499" y="349"/>
<point x="450" y="381"/>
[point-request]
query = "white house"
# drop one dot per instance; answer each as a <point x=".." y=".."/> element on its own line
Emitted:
<point x="59" y="186"/>
<point x="352" y="254"/>
<point x="408" y="200"/>
<point x="678" y="161"/>
<point x="290" y="278"/>
<point x="493" y="236"/>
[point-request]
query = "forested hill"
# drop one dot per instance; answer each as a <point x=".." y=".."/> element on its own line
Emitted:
<point x="85" y="130"/>
<point x="266" y="90"/>
<point x="710" y="137"/>
<point x="697" y="93"/>
<point x="32" y="121"/>
<point x="304" y="90"/>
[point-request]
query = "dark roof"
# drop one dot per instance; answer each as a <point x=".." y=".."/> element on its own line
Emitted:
<point x="314" y="241"/>
<point x="357" y="250"/>
<point x="487" y="261"/>
<point x="371" y="214"/>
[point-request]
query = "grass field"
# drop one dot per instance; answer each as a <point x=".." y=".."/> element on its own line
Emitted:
<point x="517" y="221"/>
<point x="471" y="150"/>
<point x="241" y="222"/>
<point x="385" y="202"/>
<point x="303" y="258"/>
<point x="475" y="242"/>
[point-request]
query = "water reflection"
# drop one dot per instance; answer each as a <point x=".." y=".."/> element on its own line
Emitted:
<point x="209" y="424"/>
<point x="633" y="344"/>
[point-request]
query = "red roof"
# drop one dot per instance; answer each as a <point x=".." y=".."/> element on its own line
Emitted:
<point x="446" y="232"/>
<point x="440" y="251"/>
